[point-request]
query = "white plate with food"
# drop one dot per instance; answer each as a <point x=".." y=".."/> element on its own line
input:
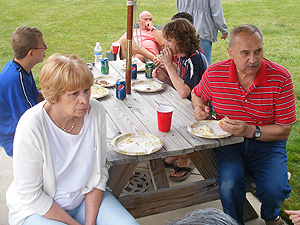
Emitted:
<point x="147" y="86"/>
<point x="106" y="81"/>
<point x="98" y="92"/>
<point x="137" y="143"/>
<point x="140" y="66"/>
<point x="207" y="129"/>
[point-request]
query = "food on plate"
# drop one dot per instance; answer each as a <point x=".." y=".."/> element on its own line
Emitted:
<point x="103" y="82"/>
<point x="106" y="81"/>
<point x="127" y="140"/>
<point x="98" y="91"/>
<point x="207" y="129"/>
<point x="138" y="145"/>
<point x="204" y="130"/>
<point x="222" y="120"/>
<point x="147" y="86"/>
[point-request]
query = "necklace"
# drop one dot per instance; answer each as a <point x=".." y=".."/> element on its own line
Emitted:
<point x="69" y="130"/>
<point x="51" y="112"/>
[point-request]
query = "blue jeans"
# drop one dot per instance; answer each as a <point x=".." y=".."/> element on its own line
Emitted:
<point x="206" y="46"/>
<point x="111" y="212"/>
<point x="266" y="162"/>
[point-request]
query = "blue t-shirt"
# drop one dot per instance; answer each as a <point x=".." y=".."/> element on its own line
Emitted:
<point x="191" y="68"/>
<point x="18" y="92"/>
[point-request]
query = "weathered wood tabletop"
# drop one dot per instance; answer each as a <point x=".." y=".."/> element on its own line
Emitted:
<point x="137" y="113"/>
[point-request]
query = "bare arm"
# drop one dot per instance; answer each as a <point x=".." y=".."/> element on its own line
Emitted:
<point x="93" y="201"/>
<point x="161" y="75"/>
<point x="178" y="83"/>
<point x="157" y="35"/>
<point x="201" y="108"/>
<point x="143" y="52"/>
<point x="268" y="133"/>
<point x="159" y="38"/>
<point x="59" y="214"/>
<point x="40" y="96"/>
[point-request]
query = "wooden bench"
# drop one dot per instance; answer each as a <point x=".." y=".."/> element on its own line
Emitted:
<point x="165" y="198"/>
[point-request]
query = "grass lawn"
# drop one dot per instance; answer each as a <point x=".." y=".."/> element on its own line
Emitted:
<point x="74" y="26"/>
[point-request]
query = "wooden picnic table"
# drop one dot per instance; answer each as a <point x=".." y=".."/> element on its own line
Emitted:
<point x="137" y="113"/>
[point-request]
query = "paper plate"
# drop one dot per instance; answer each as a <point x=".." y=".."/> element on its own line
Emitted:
<point x="136" y="143"/>
<point x="147" y="86"/>
<point x="139" y="66"/>
<point x="98" y="92"/>
<point x="207" y="129"/>
<point x="106" y="81"/>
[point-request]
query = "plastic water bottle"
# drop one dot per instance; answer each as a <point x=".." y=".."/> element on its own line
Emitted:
<point x="98" y="55"/>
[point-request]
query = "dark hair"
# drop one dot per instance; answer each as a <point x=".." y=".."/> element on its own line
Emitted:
<point x="183" y="15"/>
<point x="209" y="216"/>
<point x="24" y="39"/>
<point x="184" y="33"/>
<point x="246" y="28"/>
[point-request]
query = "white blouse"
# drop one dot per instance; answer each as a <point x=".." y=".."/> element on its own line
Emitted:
<point x="72" y="160"/>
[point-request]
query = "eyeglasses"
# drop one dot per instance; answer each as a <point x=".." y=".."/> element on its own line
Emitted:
<point x="44" y="47"/>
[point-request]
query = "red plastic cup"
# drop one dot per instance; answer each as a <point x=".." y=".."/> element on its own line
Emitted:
<point x="164" y="117"/>
<point x="116" y="47"/>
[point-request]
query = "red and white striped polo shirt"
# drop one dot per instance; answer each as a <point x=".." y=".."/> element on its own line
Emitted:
<point x="270" y="99"/>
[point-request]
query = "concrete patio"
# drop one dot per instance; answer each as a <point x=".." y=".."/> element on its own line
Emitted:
<point x="6" y="176"/>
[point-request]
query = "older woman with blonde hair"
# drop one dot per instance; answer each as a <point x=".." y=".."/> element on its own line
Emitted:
<point x="60" y="154"/>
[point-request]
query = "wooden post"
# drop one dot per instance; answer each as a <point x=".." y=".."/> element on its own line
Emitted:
<point x="129" y="47"/>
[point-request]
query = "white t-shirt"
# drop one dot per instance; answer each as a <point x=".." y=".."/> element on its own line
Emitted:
<point x="72" y="160"/>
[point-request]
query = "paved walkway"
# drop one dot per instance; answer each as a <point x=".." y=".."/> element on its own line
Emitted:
<point x="6" y="177"/>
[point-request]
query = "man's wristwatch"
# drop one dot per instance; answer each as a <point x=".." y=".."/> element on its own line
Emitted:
<point x="153" y="28"/>
<point x="257" y="133"/>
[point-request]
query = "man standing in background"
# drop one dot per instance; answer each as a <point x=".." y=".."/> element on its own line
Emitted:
<point x="208" y="19"/>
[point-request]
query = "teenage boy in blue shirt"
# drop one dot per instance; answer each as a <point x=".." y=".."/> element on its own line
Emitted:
<point x="18" y="91"/>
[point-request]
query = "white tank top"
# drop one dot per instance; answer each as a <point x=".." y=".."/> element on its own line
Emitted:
<point x="72" y="160"/>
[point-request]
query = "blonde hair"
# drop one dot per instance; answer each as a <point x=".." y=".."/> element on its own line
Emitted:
<point x="62" y="73"/>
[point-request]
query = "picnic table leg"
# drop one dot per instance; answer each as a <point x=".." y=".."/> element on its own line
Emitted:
<point x="119" y="177"/>
<point x="158" y="174"/>
<point x="205" y="162"/>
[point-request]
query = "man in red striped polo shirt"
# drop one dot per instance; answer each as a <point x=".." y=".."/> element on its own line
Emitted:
<point x="255" y="98"/>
